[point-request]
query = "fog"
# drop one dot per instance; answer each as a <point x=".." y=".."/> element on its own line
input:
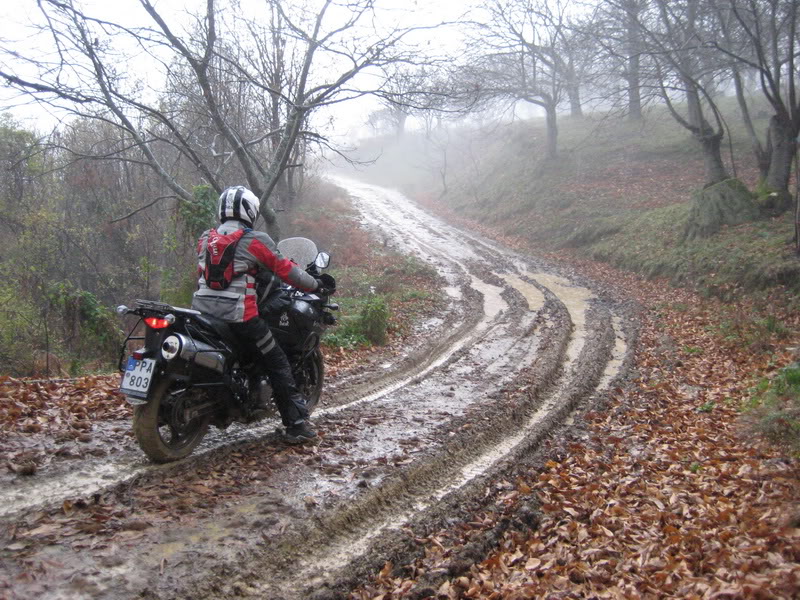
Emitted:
<point x="24" y="38"/>
<point x="242" y="93"/>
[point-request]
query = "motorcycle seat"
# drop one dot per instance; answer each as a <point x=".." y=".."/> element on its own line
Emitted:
<point x="221" y="328"/>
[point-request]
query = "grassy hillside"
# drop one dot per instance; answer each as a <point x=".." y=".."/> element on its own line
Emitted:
<point x="618" y="193"/>
<point x="621" y="194"/>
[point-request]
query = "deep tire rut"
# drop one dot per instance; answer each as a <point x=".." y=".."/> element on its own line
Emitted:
<point x="513" y="432"/>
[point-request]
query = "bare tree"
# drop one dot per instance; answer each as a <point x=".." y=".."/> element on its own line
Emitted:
<point x="763" y="36"/>
<point x="730" y="37"/>
<point x="223" y="71"/>
<point x="614" y="29"/>
<point x="385" y="121"/>
<point x="633" y="49"/>
<point x="429" y="92"/>
<point x="529" y="50"/>
<point x="686" y="71"/>
<point x="400" y="95"/>
<point x="674" y="33"/>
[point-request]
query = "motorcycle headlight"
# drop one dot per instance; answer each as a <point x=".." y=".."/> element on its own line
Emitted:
<point x="171" y="347"/>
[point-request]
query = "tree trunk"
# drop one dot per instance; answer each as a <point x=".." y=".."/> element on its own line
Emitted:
<point x="726" y="203"/>
<point x="269" y="218"/>
<point x="277" y="167"/>
<point x="574" y="94"/>
<point x="634" y="90"/>
<point x="780" y="166"/>
<point x="281" y="197"/>
<point x="761" y="154"/>
<point x="712" y="157"/>
<point x="291" y="188"/>
<point x="443" y="172"/>
<point x="552" y="131"/>
<point x="633" y="76"/>
<point x="796" y="205"/>
<point x="709" y="139"/>
<point x="401" y="118"/>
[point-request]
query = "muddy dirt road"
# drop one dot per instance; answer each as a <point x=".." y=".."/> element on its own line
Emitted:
<point x="407" y="443"/>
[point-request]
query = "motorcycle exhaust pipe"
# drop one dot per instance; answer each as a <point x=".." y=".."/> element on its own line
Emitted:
<point x="178" y="345"/>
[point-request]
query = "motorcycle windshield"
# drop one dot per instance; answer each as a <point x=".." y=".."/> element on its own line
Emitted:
<point x="301" y="251"/>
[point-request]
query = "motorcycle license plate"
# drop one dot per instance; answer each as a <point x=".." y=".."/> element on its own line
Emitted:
<point x="137" y="377"/>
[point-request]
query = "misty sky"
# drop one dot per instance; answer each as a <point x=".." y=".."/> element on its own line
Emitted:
<point x="17" y="34"/>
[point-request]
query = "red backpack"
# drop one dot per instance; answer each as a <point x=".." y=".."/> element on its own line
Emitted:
<point x="220" y="251"/>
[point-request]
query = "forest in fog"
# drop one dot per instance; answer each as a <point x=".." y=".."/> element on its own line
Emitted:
<point x="143" y="114"/>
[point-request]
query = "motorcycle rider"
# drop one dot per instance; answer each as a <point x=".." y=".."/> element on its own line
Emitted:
<point x="230" y="258"/>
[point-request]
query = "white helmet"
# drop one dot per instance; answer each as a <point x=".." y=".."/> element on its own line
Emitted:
<point x="238" y="203"/>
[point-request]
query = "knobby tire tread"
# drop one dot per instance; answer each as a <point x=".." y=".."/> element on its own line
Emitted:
<point x="145" y="429"/>
<point x="313" y="399"/>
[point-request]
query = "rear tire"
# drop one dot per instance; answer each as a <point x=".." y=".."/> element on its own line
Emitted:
<point x="158" y="430"/>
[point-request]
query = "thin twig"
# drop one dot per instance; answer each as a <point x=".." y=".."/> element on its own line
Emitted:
<point x="129" y="215"/>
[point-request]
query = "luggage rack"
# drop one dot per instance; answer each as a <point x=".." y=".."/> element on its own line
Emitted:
<point x="143" y="307"/>
<point x="164" y="307"/>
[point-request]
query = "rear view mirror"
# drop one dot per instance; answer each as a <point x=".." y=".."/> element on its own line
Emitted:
<point x="323" y="260"/>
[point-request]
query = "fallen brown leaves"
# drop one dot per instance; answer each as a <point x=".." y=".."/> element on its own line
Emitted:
<point x="638" y="184"/>
<point x="34" y="407"/>
<point x="41" y="420"/>
<point x="72" y="405"/>
<point x="663" y="496"/>
<point x="660" y="502"/>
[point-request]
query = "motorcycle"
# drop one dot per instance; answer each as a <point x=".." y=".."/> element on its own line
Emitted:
<point x="191" y="371"/>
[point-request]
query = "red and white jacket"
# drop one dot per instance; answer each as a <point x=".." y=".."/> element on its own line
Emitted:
<point x="256" y="254"/>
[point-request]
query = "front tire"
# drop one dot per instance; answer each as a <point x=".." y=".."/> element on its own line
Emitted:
<point x="159" y="428"/>
<point x="310" y="379"/>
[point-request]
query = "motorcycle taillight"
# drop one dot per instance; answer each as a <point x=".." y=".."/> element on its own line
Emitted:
<point x="157" y="323"/>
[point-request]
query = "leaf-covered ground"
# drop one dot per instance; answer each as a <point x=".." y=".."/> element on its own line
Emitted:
<point x="663" y="495"/>
<point x="33" y="406"/>
<point x="44" y="420"/>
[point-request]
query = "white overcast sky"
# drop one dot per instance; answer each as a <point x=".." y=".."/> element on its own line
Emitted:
<point x="16" y="16"/>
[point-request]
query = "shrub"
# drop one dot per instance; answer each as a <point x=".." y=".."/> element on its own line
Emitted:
<point x="199" y="215"/>
<point x="776" y="407"/>
<point x="177" y="288"/>
<point x="375" y="320"/>
<point x="411" y="266"/>
<point x="68" y="326"/>
<point x="367" y="325"/>
<point x="20" y="328"/>
<point x="346" y="335"/>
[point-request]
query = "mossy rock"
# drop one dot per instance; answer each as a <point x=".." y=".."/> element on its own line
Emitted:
<point x="772" y="202"/>
<point x="728" y="202"/>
